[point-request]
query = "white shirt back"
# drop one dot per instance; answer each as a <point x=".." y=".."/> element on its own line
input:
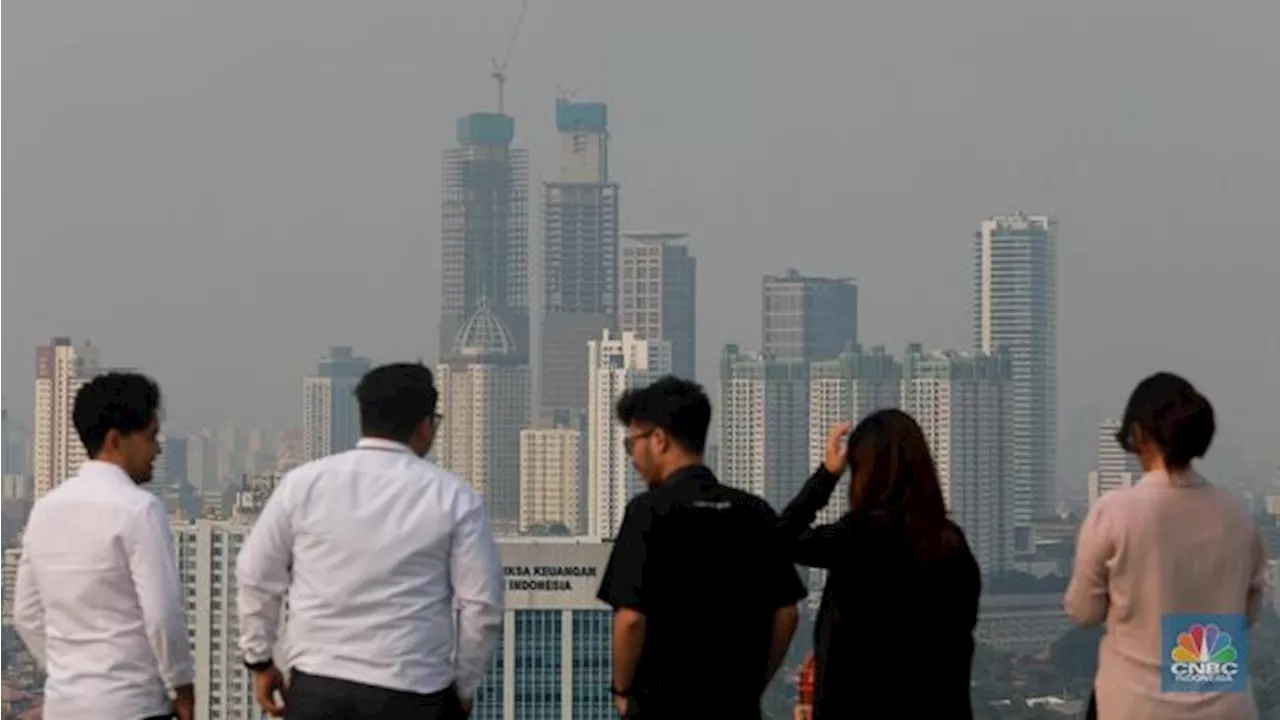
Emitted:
<point x="98" y="600"/>
<point x="374" y="547"/>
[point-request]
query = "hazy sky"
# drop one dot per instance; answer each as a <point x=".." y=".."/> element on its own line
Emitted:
<point x="217" y="191"/>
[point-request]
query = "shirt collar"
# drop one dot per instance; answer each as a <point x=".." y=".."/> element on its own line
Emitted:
<point x="383" y="444"/>
<point x="105" y="471"/>
<point x="1180" y="479"/>
<point x="696" y="474"/>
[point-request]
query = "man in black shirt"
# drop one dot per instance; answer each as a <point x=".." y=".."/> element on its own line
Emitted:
<point x="704" y="597"/>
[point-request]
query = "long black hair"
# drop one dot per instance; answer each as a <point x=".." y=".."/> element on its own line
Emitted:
<point x="893" y="476"/>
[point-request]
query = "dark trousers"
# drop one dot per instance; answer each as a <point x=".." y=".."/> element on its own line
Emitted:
<point x="315" y="697"/>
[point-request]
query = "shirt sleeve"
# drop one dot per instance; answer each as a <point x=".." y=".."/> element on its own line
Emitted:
<point x="155" y="578"/>
<point x="1086" y="598"/>
<point x="1258" y="580"/>
<point x="28" y="609"/>
<point x="476" y="570"/>
<point x="824" y="546"/>
<point x="263" y="576"/>
<point x="623" y="584"/>
<point x="783" y="581"/>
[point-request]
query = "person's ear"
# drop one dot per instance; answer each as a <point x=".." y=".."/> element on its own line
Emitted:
<point x="661" y="441"/>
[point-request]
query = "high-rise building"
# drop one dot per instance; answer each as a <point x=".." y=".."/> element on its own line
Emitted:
<point x="580" y="256"/>
<point x="202" y="463"/>
<point x="484" y="404"/>
<point x="7" y="460"/>
<point x="169" y="473"/>
<point x="1116" y="468"/>
<point x="764" y="425"/>
<point x="207" y="551"/>
<point x="555" y="657"/>
<point x="615" y="365"/>
<point x="808" y="318"/>
<point x="847" y="389"/>
<point x="659" y="294"/>
<point x="553" y="481"/>
<point x="8" y="582"/>
<point x="61" y="370"/>
<point x="963" y="403"/>
<point x="330" y="413"/>
<point x="485" y="231"/>
<point x="16" y="446"/>
<point x="289" y="452"/>
<point x="1015" y="307"/>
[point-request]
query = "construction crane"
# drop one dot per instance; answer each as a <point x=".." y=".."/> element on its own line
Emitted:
<point x="499" y="73"/>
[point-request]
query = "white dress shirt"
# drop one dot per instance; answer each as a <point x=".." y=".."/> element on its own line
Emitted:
<point x="98" y="601"/>
<point x="375" y="548"/>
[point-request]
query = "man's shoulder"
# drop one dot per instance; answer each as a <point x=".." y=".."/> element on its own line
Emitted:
<point x="752" y="505"/>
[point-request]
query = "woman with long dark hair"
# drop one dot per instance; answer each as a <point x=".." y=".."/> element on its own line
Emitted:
<point x="1159" y="559"/>
<point x="895" y="631"/>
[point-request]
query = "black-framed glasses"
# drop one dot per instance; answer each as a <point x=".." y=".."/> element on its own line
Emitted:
<point x="630" y="442"/>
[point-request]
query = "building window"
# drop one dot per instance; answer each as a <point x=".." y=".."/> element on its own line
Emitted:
<point x="592" y="664"/>
<point x="537" y="664"/>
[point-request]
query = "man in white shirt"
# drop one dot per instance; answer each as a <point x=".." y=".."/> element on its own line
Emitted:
<point x="392" y="574"/>
<point x="98" y="602"/>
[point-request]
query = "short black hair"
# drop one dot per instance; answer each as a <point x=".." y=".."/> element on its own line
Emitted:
<point x="680" y="407"/>
<point x="120" y="401"/>
<point x="1173" y="415"/>
<point x="394" y="399"/>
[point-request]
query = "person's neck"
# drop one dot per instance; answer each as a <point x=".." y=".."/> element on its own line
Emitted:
<point x="677" y="464"/>
<point x="110" y="459"/>
<point x="384" y="438"/>
<point x="410" y="443"/>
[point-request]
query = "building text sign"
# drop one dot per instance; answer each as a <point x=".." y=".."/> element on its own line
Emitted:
<point x="546" y="578"/>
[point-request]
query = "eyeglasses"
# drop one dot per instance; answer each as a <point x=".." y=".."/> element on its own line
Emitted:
<point x="630" y="442"/>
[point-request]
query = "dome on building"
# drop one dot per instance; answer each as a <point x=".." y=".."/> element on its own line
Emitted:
<point x="483" y="335"/>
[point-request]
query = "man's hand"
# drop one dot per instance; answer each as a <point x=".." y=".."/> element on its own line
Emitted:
<point x="184" y="702"/>
<point x="623" y="704"/>
<point x="266" y="684"/>
<point x="465" y="704"/>
<point x="837" y="444"/>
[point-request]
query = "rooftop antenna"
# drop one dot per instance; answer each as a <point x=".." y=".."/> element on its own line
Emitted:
<point x="499" y="72"/>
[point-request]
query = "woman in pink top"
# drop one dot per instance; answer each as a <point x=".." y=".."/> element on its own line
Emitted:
<point x="1173" y="544"/>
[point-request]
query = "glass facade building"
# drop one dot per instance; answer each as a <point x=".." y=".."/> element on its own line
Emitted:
<point x="555" y="660"/>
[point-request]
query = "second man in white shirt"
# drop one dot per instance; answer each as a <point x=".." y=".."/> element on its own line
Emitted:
<point x="98" y="602"/>
<point x="392" y="574"/>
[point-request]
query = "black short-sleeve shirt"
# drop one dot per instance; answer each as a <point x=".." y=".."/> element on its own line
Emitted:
<point x="703" y="564"/>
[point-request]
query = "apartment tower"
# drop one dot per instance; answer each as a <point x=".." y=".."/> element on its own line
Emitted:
<point x="330" y="413"/>
<point x="764" y="425"/>
<point x="61" y="370"/>
<point x="847" y="389"/>
<point x="484" y="402"/>
<point x="659" y="294"/>
<point x="1116" y="468"/>
<point x="617" y="364"/>
<point x="963" y="403"/>
<point x="808" y="318"/>
<point x="1015" y="307"/>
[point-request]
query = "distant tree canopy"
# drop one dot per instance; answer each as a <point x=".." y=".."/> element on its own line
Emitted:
<point x="1075" y="654"/>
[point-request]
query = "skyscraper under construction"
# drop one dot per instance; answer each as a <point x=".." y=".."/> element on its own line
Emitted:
<point x="580" y="256"/>
<point x="485" y="230"/>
